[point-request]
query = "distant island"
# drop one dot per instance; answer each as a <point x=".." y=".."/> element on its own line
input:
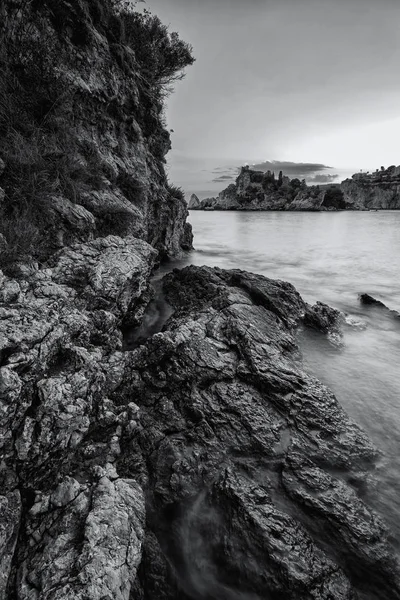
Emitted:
<point x="258" y="190"/>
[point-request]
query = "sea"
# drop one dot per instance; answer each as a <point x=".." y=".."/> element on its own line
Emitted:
<point x="332" y="257"/>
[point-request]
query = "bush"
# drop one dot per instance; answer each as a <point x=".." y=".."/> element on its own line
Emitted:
<point x="256" y="176"/>
<point x="161" y="55"/>
<point x="22" y="237"/>
<point x="176" y="192"/>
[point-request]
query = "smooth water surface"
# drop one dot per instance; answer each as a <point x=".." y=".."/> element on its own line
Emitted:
<point x="332" y="257"/>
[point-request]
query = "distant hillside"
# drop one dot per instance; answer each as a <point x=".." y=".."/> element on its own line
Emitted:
<point x="378" y="190"/>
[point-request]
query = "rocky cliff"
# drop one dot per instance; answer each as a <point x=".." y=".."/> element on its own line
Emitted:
<point x="83" y="140"/>
<point x="255" y="190"/>
<point x="376" y="191"/>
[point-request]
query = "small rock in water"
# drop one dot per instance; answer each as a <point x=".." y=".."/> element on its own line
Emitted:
<point x="368" y="300"/>
<point x="324" y="318"/>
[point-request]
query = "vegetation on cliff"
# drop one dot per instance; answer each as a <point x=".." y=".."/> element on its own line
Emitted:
<point x="82" y="133"/>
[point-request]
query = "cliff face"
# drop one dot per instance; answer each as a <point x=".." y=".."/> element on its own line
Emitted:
<point x="255" y="190"/>
<point x="82" y="131"/>
<point x="379" y="190"/>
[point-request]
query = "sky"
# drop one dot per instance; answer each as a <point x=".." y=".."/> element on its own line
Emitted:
<point x="284" y="81"/>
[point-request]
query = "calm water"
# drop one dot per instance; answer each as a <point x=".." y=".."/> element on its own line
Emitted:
<point x="332" y="257"/>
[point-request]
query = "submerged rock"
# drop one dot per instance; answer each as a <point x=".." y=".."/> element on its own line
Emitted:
<point x="368" y="300"/>
<point x="326" y="319"/>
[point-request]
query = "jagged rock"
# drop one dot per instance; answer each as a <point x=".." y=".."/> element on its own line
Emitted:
<point x="109" y="272"/>
<point x="368" y="300"/>
<point x="213" y="418"/>
<point x="59" y="342"/>
<point x="10" y="516"/>
<point x="194" y="202"/>
<point x="3" y="241"/>
<point x="74" y="216"/>
<point x="342" y="513"/>
<point x="324" y="318"/>
<point x="115" y="213"/>
<point x="227" y="419"/>
<point x="187" y="238"/>
<point x="85" y="541"/>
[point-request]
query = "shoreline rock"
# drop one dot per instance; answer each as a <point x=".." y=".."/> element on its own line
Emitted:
<point x="226" y="411"/>
<point x="208" y="427"/>
<point x="368" y="300"/>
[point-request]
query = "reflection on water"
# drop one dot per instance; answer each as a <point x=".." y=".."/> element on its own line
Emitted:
<point x="331" y="257"/>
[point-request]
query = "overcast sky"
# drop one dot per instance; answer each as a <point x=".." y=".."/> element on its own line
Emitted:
<point x="309" y="81"/>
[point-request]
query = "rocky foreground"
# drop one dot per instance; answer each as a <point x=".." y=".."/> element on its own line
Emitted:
<point x="205" y="463"/>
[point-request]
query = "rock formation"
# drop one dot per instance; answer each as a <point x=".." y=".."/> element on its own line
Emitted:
<point x="255" y="190"/>
<point x="368" y="300"/>
<point x="376" y="191"/>
<point x="123" y="472"/>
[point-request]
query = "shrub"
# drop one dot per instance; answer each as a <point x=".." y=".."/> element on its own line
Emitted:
<point x="295" y="182"/>
<point x="256" y="177"/>
<point x="22" y="237"/>
<point x="176" y="192"/>
<point x="161" y="55"/>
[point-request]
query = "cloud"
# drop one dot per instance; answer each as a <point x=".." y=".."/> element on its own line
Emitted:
<point x="322" y="178"/>
<point x="292" y="169"/>
<point x="223" y="178"/>
<point x="225" y="170"/>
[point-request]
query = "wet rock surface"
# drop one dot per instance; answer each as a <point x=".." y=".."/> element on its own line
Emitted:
<point x="205" y="463"/>
<point x="70" y="526"/>
<point x="245" y="451"/>
<point x="368" y="300"/>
